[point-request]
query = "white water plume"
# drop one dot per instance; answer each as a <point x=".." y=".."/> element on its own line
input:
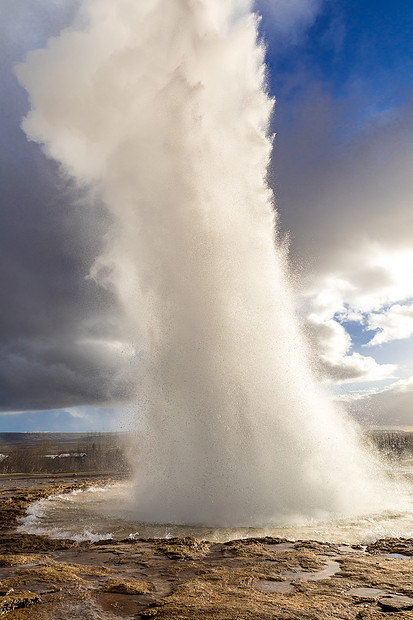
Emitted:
<point x="161" y="107"/>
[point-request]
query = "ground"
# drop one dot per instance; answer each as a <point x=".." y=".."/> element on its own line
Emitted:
<point x="187" y="579"/>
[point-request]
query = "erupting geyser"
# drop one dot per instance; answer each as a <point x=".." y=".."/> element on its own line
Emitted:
<point x="161" y="107"/>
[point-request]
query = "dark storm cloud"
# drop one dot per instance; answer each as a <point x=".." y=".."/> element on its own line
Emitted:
<point x="56" y="326"/>
<point x="49" y="309"/>
<point x="339" y="185"/>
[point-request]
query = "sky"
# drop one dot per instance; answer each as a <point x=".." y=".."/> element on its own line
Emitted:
<point x="341" y="72"/>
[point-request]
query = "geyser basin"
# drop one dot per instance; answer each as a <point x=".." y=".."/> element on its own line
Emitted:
<point x="107" y="512"/>
<point x="161" y="109"/>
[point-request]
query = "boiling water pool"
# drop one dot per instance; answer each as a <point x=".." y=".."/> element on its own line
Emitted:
<point x="107" y="512"/>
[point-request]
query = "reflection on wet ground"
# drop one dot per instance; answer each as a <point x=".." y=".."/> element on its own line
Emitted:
<point x="274" y="586"/>
<point x="298" y="574"/>
<point x="367" y="592"/>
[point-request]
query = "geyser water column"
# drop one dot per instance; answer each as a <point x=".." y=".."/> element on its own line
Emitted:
<point x="161" y="107"/>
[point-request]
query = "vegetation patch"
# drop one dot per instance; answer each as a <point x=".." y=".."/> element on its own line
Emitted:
<point x="123" y="586"/>
<point x="19" y="559"/>
<point x="53" y="573"/>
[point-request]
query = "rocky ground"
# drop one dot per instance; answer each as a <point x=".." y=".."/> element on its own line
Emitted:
<point x="183" y="578"/>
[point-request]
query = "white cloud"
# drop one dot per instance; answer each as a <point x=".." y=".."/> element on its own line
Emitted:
<point x="330" y="336"/>
<point x="368" y="293"/>
<point x="114" y="418"/>
<point x="355" y="368"/>
<point x="350" y="214"/>
<point x="395" y="323"/>
<point x="332" y="343"/>
<point x="380" y="277"/>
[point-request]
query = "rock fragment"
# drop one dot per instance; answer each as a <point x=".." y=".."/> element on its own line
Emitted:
<point x="396" y="602"/>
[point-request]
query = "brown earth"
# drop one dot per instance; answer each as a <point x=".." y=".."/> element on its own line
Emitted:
<point x="185" y="579"/>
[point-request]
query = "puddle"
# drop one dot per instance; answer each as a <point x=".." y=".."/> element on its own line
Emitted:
<point x="367" y="592"/>
<point x="266" y="585"/>
<point x="279" y="547"/>
<point x="281" y="587"/>
<point x="352" y="549"/>
<point x="121" y="604"/>
<point x="332" y="567"/>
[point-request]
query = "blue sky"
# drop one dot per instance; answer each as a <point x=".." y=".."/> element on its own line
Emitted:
<point x="74" y="420"/>
<point x="342" y="73"/>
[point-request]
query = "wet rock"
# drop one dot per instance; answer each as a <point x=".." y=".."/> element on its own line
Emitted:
<point x="245" y="548"/>
<point x="184" y="548"/>
<point x="315" y="545"/>
<point x="104" y="541"/>
<point x="403" y="546"/>
<point x="17" y="600"/>
<point x="29" y="543"/>
<point x="395" y="602"/>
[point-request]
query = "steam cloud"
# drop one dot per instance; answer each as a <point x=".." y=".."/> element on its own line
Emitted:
<point x="160" y="108"/>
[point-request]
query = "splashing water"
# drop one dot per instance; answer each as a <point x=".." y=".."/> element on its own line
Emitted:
<point x="161" y="107"/>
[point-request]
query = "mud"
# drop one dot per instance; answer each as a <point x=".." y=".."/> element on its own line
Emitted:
<point x="184" y="578"/>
